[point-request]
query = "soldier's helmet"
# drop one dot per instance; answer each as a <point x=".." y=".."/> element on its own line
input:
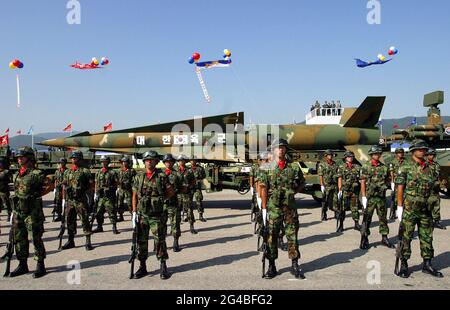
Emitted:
<point x="328" y="152"/>
<point x="63" y="160"/>
<point x="376" y="149"/>
<point x="25" y="152"/>
<point x="263" y="155"/>
<point x="182" y="157"/>
<point x="125" y="159"/>
<point x="399" y="150"/>
<point x="76" y="154"/>
<point x="105" y="158"/>
<point x="418" y="145"/>
<point x="150" y="155"/>
<point x="279" y="142"/>
<point x="431" y="151"/>
<point x="349" y="154"/>
<point x="168" y="157"/>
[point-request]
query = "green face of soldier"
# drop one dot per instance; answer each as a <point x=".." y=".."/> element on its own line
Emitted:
<point x="420" y="154"/>
<point x="400" y="155"/>
<point x="376" y="156"/>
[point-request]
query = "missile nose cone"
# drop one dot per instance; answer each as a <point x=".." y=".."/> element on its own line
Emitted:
<point x="53" y="142"/>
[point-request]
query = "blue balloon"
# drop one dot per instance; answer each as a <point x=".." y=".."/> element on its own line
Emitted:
<point x="20" y="66"/>
<point x="191" y="60"/>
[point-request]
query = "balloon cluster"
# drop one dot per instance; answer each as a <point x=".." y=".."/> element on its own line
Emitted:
<point x="227" y="54"/>
<point x="16" y="64"/>
<point x="392" y="51"/>
<point x="194" y="58"/>
<point x="104" y="61"/>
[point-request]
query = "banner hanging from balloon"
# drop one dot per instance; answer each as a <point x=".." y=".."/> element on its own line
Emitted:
<point x="94" y="64"/>
<point x="17" y="64"/>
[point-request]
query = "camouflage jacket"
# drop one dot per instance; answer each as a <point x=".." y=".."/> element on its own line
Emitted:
<point x="419" y="181"/>
<point x="106" y="183"/>
<point x="395" y="165"/>
<point x="437" y="173"/>
<point x="328" y="172"/>
<point x="5" y="179"/>
<point x="59" y="178"/>
<point x="77" y="183"/>
<point x="199" y="175"/>
<point x="377" y="179"/>
<point x="125" y="179"/>
<point x="174" y="181"/>
<point x="29" y="185"/>
<point x="150" y="191"/>
<point x="350" y="177"/>
<point x="187" y="180"/>
<point x="282" y="184"/>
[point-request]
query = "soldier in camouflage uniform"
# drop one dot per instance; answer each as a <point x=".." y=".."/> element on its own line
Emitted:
<point x="200" y="175"/>
<point x="76" y="183"/>
<point x="374" y="180"/>
<point x="124" y="190"/>
<point x="150" y="189"/>
<point x="5" y="179"/>
<point x="28" y="216"/>
<point x="59" y="177"/>
<point x="393" y="169"/>
<point x="187" y="183"/>
<point x="253" y="190"/>
<point x="349" y="189"/>
<point x="328" y="183"/>
<point x="416" y="180"/>
<point x="435" y="200"/>
<point x="106" y="181"/>
<point x="279" y="185"/>
<point x="171" y="206"/>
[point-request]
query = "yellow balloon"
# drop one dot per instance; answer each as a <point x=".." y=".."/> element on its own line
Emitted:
<point x="227" y="52"/>
<point x="11" y="65"/>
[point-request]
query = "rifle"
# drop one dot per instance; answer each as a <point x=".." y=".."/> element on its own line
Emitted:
<point x="93" y="213"/>
<point x="393" y="205"/>
<point x="62" y="229"/>
<point x="340" y="216"/>
<point x="264" y="247"/>
<point x="364" y="229"/>
<point x="9" y="249"/>
<point x="399" y="249"/>
<point x="324" y="204"/>
<point x="134" y="248"/>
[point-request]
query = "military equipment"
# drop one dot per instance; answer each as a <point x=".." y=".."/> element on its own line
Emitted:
<point x="264" y="247"/>
<point x="375" y="149"/>
<point x="393" y="205"/>
<point x="418" y="145"/>
<point x="62" y="228"/>
<point x="150" y="155"/>
<point x="431" y="151"/>
<point x="134" y="248"/>
<point x="399" y="249"/>
<point x="168" y="157"/>
<point x="340" y="214"/>
<point x="364" y="231"/>
<point x="76" y="154"/>
<point x="324" y="206"/>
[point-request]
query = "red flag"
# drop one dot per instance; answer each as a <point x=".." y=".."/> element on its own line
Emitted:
<point x="68" y="128"/>
<point x="108" y="127"/>
<point x="396" y="126"/>
<point x="19" y="132"/>
<point x="4" y="140"/>
<point x="7" y="131"/>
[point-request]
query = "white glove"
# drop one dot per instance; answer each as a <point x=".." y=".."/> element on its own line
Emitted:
<point x="399" y="213"/>
<point x="364" y="203"/>
<point x="117" y="192"/>
<point x="135" y="219"/>
<point x="63" y="203"/>
<point x="322" y="188"/>
<point x="340" y="195"/>
<point x="54" y="191"/>
<point x="264" y="214"/>
<point x="251" y="190"/>
<point x="11" y="219"/>
<point x="95" y="197"/>
<point x="259" y="201"/>
<point x="393" y="186"/>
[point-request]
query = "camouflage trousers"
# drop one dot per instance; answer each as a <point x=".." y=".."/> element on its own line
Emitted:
<point x="73" y="209"/>
<point x="254" y="205"/>
<point x="153" y="223"/>
<point x="351" y="200"/>
<point x="417" y="213"/>
<point x="124" y="201"/>
<point x="198" y="198"/>
<point x="378" y="204"/>
<point x="185" y="203"/>
<point x="26" y="225"/>
<point x="4" y="202"/>
<point x="173" y="214"/>
<point x="58" y="202"/>
<point x="106" y="205"/>
<point x="331" y="198"/>
<point x="278" y="216"/>
<point x="435" y="206"/>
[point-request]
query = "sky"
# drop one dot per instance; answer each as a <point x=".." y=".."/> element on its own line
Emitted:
<point x="286" y="55"/>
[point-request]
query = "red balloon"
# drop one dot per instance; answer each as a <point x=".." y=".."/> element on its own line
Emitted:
<point x="391" y="52"/>
<point x="16" y="62"/>
<point x="196" y="56"/>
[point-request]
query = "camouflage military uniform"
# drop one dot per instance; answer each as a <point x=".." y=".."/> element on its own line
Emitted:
<point x="59" y="177"/>
<point x="376" y="178"/>
<point x="28" y="213"/>
<point x="77" y="182"/>
<point x="281" y="185"/>
<point x="254" y="205"/>
<point x="419" y="182"/>
<point x="434" y="200"/>
<point x="106" y="184"/>
<point x="150" y="190"/>
<point x="5" y="179"/>
<point x="350" y="187"/>
<point x="125" y="190"/>
<point x="171" y="205"/>
<point x="329" y="173"/>
<point x="199" y="175"/>
<point x="187" y="180"/>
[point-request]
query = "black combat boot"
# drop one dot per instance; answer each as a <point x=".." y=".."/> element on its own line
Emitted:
<point x="324" y="215"/>
<point x="88" y="245"/>
<point x="364" y="245"/>
<point x="272" y="271"/>
<point x="70" y="244"/>
<point x="164" y="275"/>
<point x="99" y="229"/>
<point x="357" y="226"/>
<point x="283" y="246"/>
<point x="340" y="224"/>
<point x="114" y="229"/>
<point x="142" y="271"/>
<point x="438" y="225"/>
<point x="202" y="219"/>
<point x="404" y="271"/>
<point x="120" y="219"/>
<point x="176" y="246"/>
<point x="385" y="241"/>
<point x="428" y="269"/>
<point x="40" y="270"/>
<point x="296" y="271"/>
<point x="193" y="231"/>
<point x="20" y="270"/>
<point x="58" y="218"/>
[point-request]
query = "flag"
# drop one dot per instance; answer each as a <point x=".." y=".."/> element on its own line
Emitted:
<point x="19" y="132"/>
<point x="30" y="131"/>
<point x="396" y="126"/>
<point x="108" y="127"/>
<point x="413" y="122"/>
<point x="380" y="123"/>
<point x="7" y="131"/>
<point x="68" y="128"/>
<point x="4" y="140"/>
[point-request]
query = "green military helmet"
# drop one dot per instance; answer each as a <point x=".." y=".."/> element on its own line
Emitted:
<point x="105" y="158"/>
<point x="376" y="149"/>
<point x="63" y="160"/>
<point x="168" y="157"/>
<point x="279" y="142"/>
<point x="150" y="155"/>
<point x="125" y="159"/>
<point x="399" y="150"/>
<point x="349" y="154"/>
<point x="328" y="152"/>
<point x="431" y="151"/>
<point x="418" y="145"/>
<point x="25" y="151"/>
<point x="76" y="154"/>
